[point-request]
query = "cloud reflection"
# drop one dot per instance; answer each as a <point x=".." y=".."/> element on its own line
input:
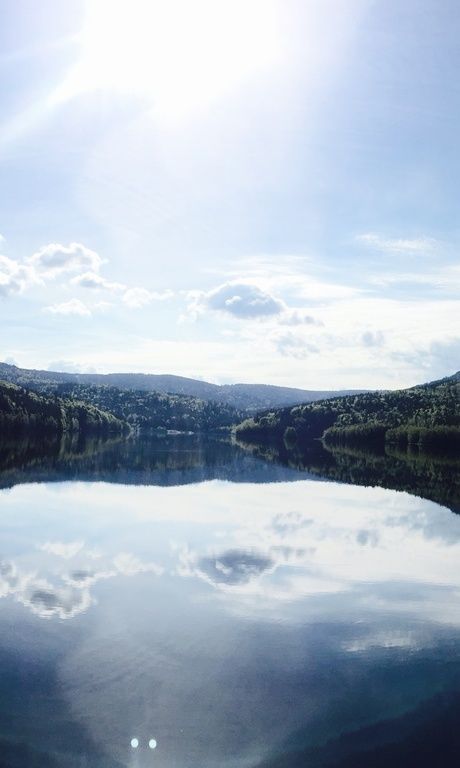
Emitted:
<point x="70" y="594"/>
<point x="234" y="567"/>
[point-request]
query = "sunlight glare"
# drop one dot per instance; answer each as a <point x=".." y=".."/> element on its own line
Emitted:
<point x="178" y="54"/>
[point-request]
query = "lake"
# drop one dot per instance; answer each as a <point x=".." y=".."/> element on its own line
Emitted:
<point x="183" y="603"/>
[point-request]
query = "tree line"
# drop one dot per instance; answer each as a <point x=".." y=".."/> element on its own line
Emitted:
<point x="23" y="411"/>
<point x="427" y="416"/>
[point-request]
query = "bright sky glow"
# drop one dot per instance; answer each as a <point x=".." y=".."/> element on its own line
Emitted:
<point x="178" y="54"/>
<point x="232" y="190"/>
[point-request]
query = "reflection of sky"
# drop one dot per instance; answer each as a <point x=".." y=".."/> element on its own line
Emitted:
<point x="218" y="612"/>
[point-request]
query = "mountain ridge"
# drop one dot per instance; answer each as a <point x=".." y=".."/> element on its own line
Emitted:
<point x="248" y="397"/>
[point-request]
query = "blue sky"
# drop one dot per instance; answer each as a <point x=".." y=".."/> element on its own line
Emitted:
<point x="236" y="191"/>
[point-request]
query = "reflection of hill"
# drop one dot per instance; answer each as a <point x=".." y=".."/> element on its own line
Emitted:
<point x="181" y="460"/>
<point x="432" y="477"/>
<point x="177" y="460"/>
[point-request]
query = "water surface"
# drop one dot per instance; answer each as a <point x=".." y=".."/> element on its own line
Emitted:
<point x="281" y="620"/>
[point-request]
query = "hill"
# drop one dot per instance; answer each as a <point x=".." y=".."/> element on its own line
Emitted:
<point x="244" y="397"/>
<point x="426" y="416"/>
<point x="146" y="411"/>
<point x="26" y="412"/>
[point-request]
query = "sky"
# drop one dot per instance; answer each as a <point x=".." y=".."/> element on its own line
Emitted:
<point x="257" y="191"/>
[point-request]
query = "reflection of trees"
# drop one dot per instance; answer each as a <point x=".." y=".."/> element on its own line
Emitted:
<point x="145" y="461"/>
<point x="434" y="477"/>
<point x="187" y="459"/>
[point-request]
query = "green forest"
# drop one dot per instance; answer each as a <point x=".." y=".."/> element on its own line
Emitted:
<point x="23" y="411"/>
<point x="426" y="416"/>
<point x="153" y="411"/>
<point x="59" y="407"/>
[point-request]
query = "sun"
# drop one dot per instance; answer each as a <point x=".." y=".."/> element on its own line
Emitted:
<point x="178" y="54"/>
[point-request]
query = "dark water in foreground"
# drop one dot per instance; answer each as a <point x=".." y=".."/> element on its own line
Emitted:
<point x="235" y="610"/>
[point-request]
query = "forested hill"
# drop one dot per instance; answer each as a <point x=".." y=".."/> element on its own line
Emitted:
<point x="425" y="415"/>
<point x="140" y="410"/>
<point x="26" y="412"/>
<point x="244" y="397"/>
<point x="147" y="411"/>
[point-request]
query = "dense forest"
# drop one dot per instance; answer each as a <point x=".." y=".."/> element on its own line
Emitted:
<point x="150" y="411"/>
<point x="54" y="406"/>
<point x="426" y="416"/>
<point x="24" y="412"/>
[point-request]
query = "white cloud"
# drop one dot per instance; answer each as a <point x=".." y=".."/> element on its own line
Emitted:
<point x="128" y="564"/>
<point x="14" y="277"/>
<point x="398" y="246"/>
<point x="103" y="306"/>
<point x="444" y="278"/>
<point x="55" y="259"/>
<point x="239" y="299"/>
<point x="373" y="338"/>
<point x="289" y="275"/>
<point x="292" y="345"/>
<point x="68" y="366"/>
<point x="56" y="262"/>
<point x="140" y="297"/>
<point x="297" y="317"/>
<point x="95" y="281"/>
<point x="134" y="298"/>
<point x="67" y="550"/>
<point x="71" y="307"/>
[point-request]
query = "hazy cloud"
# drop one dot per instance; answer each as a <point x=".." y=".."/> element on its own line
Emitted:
<point x="409" y="246"/>
<point x="54" y="259"/>
<point x="291" y="345"/>
<point x="71" y="307"/>
<point x="95" y="281"/>
<point x="139" y="297"/>
<point x="373" y="339"/>
<point x="438" y="356"/>
<point x="68" y="366"/>
<point x="297" y="317"/>
<point x="129" y="565"/>
<point x="67" y="550"/>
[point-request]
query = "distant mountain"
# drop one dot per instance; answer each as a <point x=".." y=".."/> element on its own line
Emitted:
<point x="245" y="397"/>
<point x="424" y="416"/>
<point x="25" y="412"/>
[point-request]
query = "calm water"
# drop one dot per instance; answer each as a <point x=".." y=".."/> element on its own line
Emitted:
<point x="236" y="610"/>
